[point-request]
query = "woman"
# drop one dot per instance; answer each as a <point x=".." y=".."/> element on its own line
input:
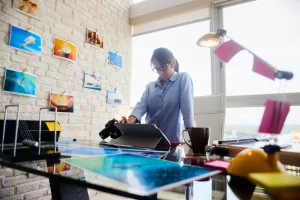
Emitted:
<point x="167" y="98"/>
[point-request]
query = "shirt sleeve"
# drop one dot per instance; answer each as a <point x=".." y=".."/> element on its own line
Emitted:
<point x="140" y="108"/>
<point x="187" y="101"/>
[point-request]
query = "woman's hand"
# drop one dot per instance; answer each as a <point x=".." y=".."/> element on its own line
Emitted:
<point x="129" y="120"/>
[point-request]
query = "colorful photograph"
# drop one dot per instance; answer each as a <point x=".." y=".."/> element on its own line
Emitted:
<point x="63" y="102"/>
<point x="150" y="175"/>
<point x="92" y="81"/>
<point x="94" y="38"/>
<point x="115" y="60"/>
<point x="17" y="82"/>
<point x="32" y="8"/>
<point x="62" y="167"/>
<point x="65" y="50"/>
<point x="97" y="151"/>
<point x="24" y="40"/>
<point x="114" y="98"/>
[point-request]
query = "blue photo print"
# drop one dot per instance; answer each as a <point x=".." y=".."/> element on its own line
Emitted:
<point x="142" y="175"/>
<point x="92" y="81"/>
<point x="115" y="60"/>
<point x="114" y="98"/>
<point x="19" y="83"/>
<point x="97" y="151"/>
<point x="24" y="40"/>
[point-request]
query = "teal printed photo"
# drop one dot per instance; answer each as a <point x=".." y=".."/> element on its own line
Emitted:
<point x="21" y="83"/>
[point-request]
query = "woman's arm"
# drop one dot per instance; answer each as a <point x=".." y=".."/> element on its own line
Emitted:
<point x="187" y="100"/>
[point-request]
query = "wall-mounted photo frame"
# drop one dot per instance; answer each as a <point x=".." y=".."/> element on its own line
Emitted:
<point x="24" y="40"/>
<point x="92" y="81"/>
<point x="94" y="38"/>
<point x="63" y="102"/>
<point x="114" y="98"/>
<point x="32" y="8"/>
<point x="115" y="60"/>
<point x="21" y="83"/>
<point x="65" y="50"/>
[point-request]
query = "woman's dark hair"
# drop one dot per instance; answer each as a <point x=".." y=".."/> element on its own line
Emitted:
<point x="164" y="56"/>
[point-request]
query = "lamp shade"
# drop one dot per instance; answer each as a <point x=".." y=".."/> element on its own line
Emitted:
<point x="210" y="40"/>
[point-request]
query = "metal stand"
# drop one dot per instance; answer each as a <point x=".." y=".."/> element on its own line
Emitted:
<point x="17" y="128"/>
<point x="40" y="127"/>
<point x="188" y="192"/>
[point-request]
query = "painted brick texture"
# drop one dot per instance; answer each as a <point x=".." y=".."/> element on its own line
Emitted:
<point x="68" y="19"/>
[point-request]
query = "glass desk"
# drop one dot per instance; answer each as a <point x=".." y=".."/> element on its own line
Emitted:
<point x="68" y="179"/>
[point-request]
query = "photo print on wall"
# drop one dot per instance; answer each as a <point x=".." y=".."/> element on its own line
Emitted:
<point x="115" y="60"/>
<point x="94" y="38"/>
<point x="24" y="40"/>
<point x="63" y="102"/>
<point x="92" y="81"/>
<point x="20" y="83"/>
<point x="32" y="8"/>
<point x="114" y="98"/>
<point x="65" y="50"/>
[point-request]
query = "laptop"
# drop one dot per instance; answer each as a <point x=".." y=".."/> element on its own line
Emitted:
<point x="141" y="135"/>
<point x="253" y="142"/>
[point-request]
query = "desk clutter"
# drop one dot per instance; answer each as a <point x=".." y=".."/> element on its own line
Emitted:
<point x="154" y="167"/>
<point x="255" y="162"/>
<point x="29" y="140"/>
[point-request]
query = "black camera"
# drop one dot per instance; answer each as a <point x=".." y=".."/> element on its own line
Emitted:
<point x="110" y="130"/>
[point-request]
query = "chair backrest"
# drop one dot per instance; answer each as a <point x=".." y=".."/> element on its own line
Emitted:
<point x="210" y="112"/>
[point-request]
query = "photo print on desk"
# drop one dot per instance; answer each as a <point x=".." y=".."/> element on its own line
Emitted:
<point x="97" y="151"/>
<point x="115" y="60"/>
<point x="62" y="167"/>
<point x="94" y="38"/>
<point x="114" y="98"/>
<point x="20" y="83"/>
<point x="32" y="8"/>
<point x="63" y="102"/>
<point x="150" y="175"/>
<point x="24" y="40"/>
<point x="92" y="81"/>
<point x="65" y="50"/>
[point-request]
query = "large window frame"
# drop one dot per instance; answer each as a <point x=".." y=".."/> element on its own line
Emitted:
<point x="207" y="22"/>
<point x="218" y="69"/>
<point x="219" y="72"/>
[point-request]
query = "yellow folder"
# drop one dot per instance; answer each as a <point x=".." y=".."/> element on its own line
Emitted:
<point x="50" y="126"/>
<point x="276" y="182"/>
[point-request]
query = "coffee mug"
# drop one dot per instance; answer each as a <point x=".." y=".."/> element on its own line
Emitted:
<point x="199" y="137"/>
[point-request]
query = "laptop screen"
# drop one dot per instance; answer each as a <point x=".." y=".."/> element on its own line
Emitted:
<point x="140" y="135"/>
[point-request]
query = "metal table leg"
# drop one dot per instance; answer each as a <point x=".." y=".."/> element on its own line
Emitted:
<point x="66" y="191"/>
<point x="188" y="192"/>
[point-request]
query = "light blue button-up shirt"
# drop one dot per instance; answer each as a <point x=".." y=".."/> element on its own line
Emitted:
<point x="164" y="103"/>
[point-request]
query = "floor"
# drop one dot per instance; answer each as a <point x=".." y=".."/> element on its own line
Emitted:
<point x="96" y="195"/>
<point x="168" y="195"/>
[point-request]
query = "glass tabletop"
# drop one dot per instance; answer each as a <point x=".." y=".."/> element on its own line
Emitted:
<point x="131" y="173"/>
<point x="141" y="175"/>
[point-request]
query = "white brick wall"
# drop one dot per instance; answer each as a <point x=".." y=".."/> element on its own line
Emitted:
<point x="69" y="19"/>
<point x="18" y="185"/>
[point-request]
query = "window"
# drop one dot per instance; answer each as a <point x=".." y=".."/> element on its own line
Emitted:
<point x="244" y="122"/>
<point x="271" y="30"/>
<point x="182" y="42"/>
